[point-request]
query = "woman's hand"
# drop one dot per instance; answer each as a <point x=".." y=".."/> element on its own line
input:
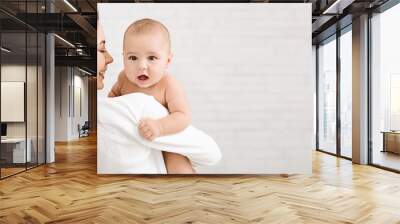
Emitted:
<point x="149" y="128"/>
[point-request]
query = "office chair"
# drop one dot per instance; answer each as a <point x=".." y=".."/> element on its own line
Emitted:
<point x="84" y="130"/>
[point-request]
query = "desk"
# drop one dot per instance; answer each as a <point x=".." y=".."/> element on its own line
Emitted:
<point x="15" y="148"/>
<point x="391" y="141"/>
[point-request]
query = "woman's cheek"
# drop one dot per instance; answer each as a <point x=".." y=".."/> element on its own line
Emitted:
<point x="100" y="62"/>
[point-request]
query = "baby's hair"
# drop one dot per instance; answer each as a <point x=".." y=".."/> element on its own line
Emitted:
<point x="147" y="26"/>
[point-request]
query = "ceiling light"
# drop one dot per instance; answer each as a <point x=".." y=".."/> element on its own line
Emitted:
<point x="337" y="7"/>
<point x="79" y="51"/>
<point x="5" y="50"/>
<point x="70" y="5"/>
<point x="64" y="40"/>
<point x="84" y="71"/>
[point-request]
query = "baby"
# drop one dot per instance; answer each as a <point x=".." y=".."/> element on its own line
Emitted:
<point x="147" y="54"/>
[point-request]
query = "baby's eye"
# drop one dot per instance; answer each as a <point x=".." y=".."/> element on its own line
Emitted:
<point x="132" y="58"/>
<point x="152" y="58"/>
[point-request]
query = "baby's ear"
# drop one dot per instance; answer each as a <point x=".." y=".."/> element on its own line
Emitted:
<point x="169" y="58"/>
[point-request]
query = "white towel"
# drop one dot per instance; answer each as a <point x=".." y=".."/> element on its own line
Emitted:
<point x="120" y="148"/>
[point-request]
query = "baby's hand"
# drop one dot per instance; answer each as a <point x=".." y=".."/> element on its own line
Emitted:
<point x="149" y="128"/>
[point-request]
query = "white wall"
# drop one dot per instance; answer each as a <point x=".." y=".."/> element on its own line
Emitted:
<point x="247" y="72"/>
<point x="68" y="83"/>
<point x="61" y="103"/>
<point x="314" y="73"/>
<point x="79" y="117"/>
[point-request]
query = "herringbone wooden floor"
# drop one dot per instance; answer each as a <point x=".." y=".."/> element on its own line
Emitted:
<point x="70" y="191"/>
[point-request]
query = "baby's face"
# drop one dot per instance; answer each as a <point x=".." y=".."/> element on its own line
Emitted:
<point x="146" y="58"/>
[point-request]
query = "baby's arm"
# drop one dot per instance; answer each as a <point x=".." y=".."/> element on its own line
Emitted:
<point x="179" y="113"/>
<point x="116" y="89"/>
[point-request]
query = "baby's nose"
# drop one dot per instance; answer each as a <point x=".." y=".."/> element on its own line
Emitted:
<point x="143" y="64"/>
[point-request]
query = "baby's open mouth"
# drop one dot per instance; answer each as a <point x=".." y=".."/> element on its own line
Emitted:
<point x="143" y="77"/>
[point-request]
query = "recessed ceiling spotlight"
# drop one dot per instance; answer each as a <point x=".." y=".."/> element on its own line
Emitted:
<point x="84" y="71"/>
<point x="337" y="7"/>
<point x="64" y="40"/>
<point x="70" y="5"/>
<point x="5" y="49"/>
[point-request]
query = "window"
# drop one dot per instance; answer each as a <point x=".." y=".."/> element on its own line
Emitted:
<point x="385" y="88"/>
<point x="327" y="96"/>
<point x="346" y="92"/>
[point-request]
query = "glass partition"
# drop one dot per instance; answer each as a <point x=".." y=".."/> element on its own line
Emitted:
<point x="13" y="95"/>
<point x="22" y="89"/>
<point x="41" y="109"/>
<point x="31" y="100"/>
<point x="327" y="96"/>
<point x="32" y="87"/>
<point x="346" y="93"/>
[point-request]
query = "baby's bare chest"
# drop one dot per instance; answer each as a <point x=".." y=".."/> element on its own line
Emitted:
<point x="157" y="92"/>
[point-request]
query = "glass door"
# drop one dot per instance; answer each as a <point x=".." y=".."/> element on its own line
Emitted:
<point x="327" y="95"/>
<point x="346" y="92"/>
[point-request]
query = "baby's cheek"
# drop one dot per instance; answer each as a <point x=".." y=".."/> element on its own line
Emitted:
<point x="130" y="75"/>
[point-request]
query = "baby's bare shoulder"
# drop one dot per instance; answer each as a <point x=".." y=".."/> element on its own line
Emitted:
<point x="169" y="78"/>
<point x="173" y="89"/>
<point x="171" y="81"/>
<point x="122" y="80"/>
<point x="121" y="76"/>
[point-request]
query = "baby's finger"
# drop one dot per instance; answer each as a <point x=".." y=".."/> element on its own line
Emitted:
<point x="142" y="123"/>
<point x="148" y="132"/>
<point x="148" y="135"/>
<point x="141" y="133"/>
<point x="146" y="128"/>
<point x="143" y="127"/>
